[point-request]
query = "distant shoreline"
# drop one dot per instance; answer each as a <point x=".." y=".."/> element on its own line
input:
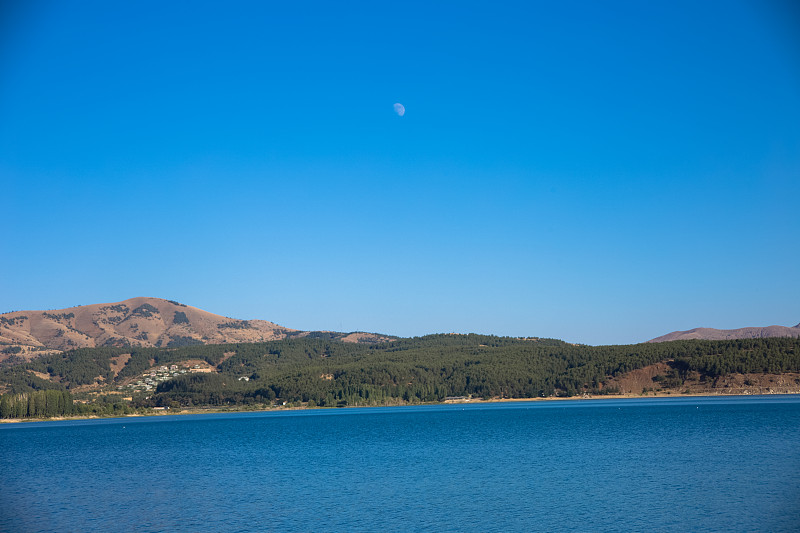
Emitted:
<point x="623" y="396"/>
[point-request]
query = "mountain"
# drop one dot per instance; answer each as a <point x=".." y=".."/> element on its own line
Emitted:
<point x="726" y="334"/>
<point x="150" y="322"/>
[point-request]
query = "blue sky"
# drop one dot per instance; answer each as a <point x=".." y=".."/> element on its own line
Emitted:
<point x="595" y="172"/>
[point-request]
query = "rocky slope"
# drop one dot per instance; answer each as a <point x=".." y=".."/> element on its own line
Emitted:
<point x="657" y="379"/>
<point x="726" y="334"/>
<point x="134" y="322"/>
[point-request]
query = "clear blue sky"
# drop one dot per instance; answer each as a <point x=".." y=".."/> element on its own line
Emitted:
<point x="599" y="172"/>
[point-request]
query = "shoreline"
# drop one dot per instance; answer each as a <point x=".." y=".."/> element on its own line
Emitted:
<point x="200" y="411"/>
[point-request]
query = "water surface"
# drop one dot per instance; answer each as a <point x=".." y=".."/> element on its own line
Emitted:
<point x="667" y="464"/>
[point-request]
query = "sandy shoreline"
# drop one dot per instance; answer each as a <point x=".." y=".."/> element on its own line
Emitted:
<point x="446" y="402"/>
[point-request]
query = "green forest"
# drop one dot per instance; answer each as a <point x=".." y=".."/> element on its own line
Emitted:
<point x="329" y="373"/>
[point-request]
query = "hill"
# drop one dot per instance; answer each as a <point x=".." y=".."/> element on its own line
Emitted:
<point x="712" y="334"/>
<point x="148" y="353"/>
<point x="137" y="322"/>
<point x="325" y="371"/>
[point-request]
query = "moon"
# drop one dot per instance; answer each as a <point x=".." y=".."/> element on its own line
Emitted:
<point x="399" y="109"/>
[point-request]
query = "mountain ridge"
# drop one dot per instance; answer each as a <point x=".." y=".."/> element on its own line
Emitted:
<point x="139" y="321"/>
<point x="729" y="334"/>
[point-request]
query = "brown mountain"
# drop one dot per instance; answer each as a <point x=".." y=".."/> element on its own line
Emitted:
<point x="725" y="334"/>
<point x="134" y="322"/>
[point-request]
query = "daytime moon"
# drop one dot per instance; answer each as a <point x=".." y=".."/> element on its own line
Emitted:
<point x="399" y="109"/>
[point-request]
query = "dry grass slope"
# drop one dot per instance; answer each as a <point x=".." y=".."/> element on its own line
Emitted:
<point x="712" y="334"/>
<point x="135" y="322"/>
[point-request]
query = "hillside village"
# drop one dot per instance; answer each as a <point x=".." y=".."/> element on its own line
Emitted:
<point x="150" y="379"/>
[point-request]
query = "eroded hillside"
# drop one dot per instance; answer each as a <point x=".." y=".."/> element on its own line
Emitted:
<point x="145" y="322"/>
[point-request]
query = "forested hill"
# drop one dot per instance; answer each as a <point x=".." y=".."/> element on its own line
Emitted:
<point x="328" y="372"/>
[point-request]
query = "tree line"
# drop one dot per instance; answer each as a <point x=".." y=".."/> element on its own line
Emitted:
<point x="324" y="371"/>
<point x="37" y="404"/>
<point x="435" y="367"/>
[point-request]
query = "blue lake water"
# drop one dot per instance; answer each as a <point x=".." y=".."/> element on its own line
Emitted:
<point x="667" y="464"/>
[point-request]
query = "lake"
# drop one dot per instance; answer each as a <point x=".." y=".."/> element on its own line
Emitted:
<point x="663" y="464"/>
